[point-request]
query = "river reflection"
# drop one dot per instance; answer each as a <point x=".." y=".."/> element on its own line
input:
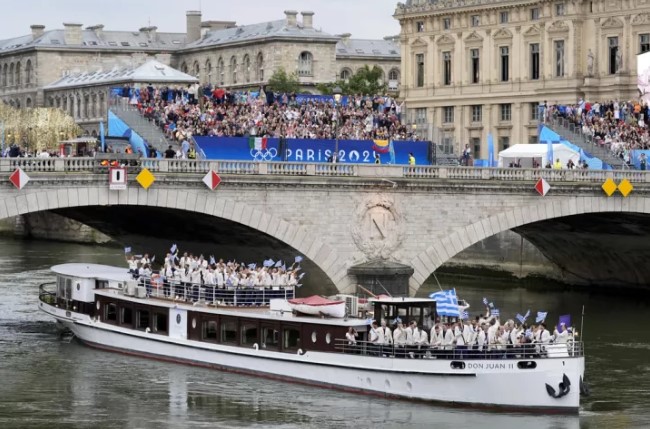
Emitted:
<point x="49" y="383"/>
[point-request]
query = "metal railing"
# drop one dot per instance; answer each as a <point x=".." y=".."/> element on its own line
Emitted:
<point x="426" y="351"/>
<point x="45" y="295"/>
<point x="101" y="164"/>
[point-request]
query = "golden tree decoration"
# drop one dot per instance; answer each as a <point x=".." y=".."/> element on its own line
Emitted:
<point x="36" y="129"/>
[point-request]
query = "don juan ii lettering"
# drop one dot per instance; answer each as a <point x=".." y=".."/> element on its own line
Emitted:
<point x="490" y="365"/>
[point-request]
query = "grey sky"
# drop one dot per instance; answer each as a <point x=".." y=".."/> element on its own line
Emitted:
<point x="363" y="18"/>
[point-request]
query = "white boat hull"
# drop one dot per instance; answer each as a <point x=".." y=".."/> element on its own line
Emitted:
<point x="333" y="310"/>
<point x="497" y="383"/>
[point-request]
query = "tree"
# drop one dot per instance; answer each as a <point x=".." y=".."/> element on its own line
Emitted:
<point x="366" y="81"/>
<point x="281" y="81"/>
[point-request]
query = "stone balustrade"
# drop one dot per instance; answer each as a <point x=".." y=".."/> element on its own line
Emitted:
<point x="417" y="172"/>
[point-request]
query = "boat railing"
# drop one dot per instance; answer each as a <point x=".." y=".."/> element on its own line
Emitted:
<point x="235" y="296"/>
<point x="572" y="348"/>
<point x="46" y="295"/>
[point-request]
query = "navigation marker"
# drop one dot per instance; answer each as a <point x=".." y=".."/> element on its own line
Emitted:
<point x="19" y="178"/>
<point x="609" y="187"/>
<point x="542" y="187"/>
<point x="625" y="187"/>
<point x="145" y="178"/>
<point x="212" y="180"/>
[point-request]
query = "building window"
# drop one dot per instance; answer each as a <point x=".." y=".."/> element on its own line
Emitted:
<point x="247" y="68"/>
<point x="612" y="45"/>
<point x="259" y="67"/>
<point x="503" y="17"/>
<point x="446" y="23"/>
<point x="475" y="144"/>
<point x="393" y="74"/>
<point x="448" y="114"/>
<point x="220" y="71"/>
<point x="233" y="70"/>
<point x="477" y="113"/>
<point x="475" y="65"/>
<point x="532" y="139"/>
<point x="644" y="43"/>
<point x="446" y="68"/>
<point x="534" y="61"/>
<point x="346" y="74"/>
<point x="504" y="143"/>
<point x="476" y="20"/>
<point x="419" y="26"/>
<point x="506" y="112"/>
<point x="505" y="63"/>
<point x="534" y="111"/>
<point x="534" y="14"/>
<point x="559" y="58"/>
<point x="419" y="60"/>
<point x="421" y="115"/>
<point x="305" y="62"/>
<point x="559" y="9"/>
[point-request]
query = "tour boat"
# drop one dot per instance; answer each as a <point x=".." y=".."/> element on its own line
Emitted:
<point x="318" y="306"/>
<point x="255" y="331"/>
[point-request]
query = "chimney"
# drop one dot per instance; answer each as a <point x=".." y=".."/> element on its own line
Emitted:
<point x="205" y="29"/>
<point x="193" y="25"/>
<point x="307" y="19"/>
<point x="345" y="37"/>
<point x="37" y="31"/>
<point x="97" y="29"/>
<point x="72" y="33"/>
<point x="292" y="18"/>
<point x="150" y="32"/>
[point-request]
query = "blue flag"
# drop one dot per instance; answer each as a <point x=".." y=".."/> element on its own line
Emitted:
<point x="549" y="151"/>
<point x="212" y="261"/>
<point x="278" y="264"/>
<point x="173" y="249"/>
<point x="565" y="319"/>
<point x="495" y="312"/>
<point x="391" y="151"/>
<point x="490" y="142"/>
<point x="101" y="136"/>
<point x="127" y="250"/>
<point x="541" y="316"/>
<point x="485" y="301"/>
<point x="298" y="259"/>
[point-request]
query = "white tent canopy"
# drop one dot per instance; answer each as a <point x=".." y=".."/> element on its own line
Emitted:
<point x="524" y="154"/>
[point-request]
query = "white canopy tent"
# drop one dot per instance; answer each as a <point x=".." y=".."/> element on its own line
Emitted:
<point x="524" y="154"/>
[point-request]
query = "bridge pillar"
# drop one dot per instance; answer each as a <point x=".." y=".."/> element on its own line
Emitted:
<point x="383" y="277"/>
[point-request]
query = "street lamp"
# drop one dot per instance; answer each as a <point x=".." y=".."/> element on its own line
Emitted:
<point x="337" y="101"/>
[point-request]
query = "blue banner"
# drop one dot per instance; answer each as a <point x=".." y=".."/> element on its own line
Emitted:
<point x="299" y="150"/>
<point x="308" y="98"/>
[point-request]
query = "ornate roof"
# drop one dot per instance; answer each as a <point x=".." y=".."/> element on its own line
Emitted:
<point x="149" y="72"/>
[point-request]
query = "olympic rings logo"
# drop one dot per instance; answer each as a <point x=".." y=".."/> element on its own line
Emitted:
<point x="264" y="154"/>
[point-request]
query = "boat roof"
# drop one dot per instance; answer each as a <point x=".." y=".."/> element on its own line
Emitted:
<point x="400" y="300"/>
<point x="93" y="271"/>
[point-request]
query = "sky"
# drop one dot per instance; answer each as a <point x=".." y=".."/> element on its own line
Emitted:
<point x="364" y="19"/>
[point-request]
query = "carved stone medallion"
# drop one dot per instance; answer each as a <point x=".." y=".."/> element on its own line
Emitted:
<point x="378" y="227"/>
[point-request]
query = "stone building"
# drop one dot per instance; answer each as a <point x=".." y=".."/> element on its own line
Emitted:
<point x="216" y="52"/>
<point x="353" y="54"/>
<point x="475" y="67"/>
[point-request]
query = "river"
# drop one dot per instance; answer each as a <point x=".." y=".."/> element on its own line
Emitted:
<point x="46" y="382"/>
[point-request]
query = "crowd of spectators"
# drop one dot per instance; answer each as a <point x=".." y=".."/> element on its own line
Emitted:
<point x="620" y="126"/>
<point x="217" y="112"/>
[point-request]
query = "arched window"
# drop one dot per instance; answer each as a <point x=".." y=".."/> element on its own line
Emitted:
<point x="93" y="105"/>
<point x="19" y="76"/>
<point x="17" y="104"/>
<point x="4" y="75"/>
<point x="382" y="75"/>
<point x="393" y="74"/>
<point x="259" y="67"/>
<point x="65" y="104"/>
<point x="220" y="71"/>
<point x="28" y="102"/>
<point x="208" y="71"/>
<point x="28" y="72"/>
<point x="86" y="109"/>
<point x="102" y="104"/>
<point x="305" y="62"/>
<point x="58" y="101"/>
<point x="196" y="70"/>
<point x="346" y="74"/>
<point x="184" y="67"/>
<point x="233" y="70"/>
<point x="11" y="75"/>
<point x="247" y="68"/>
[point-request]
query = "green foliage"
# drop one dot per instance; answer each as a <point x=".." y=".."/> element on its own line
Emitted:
<point x="366" y="81"/>
<point x="281" y="81"/>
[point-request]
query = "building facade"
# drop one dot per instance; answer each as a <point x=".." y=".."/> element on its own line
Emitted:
<point x="216" y="52"/>
<point x="473" y="67"/>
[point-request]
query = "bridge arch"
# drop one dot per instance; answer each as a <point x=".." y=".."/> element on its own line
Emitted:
<point x="299" y="237"/>
<point x="444" y="247"/>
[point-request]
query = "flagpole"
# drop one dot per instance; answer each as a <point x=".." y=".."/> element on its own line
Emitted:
<point x="582" y="321"/>
<point x="440" y="287"/>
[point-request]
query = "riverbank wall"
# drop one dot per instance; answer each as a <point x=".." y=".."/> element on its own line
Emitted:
<point x="51" y="226"/>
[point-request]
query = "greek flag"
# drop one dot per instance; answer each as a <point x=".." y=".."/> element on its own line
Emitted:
<point x="127" y="250"/>
<point x="521" y="318"/>
<point x="252" y="266"/>
<point x="464" y="315"/>
<point x="485" y="301"/>
<point x="446" y="303"/>
<point x="495" y="312"/>
<point x="278" y="264"/>
<point x="173" y="249"/>
<point x="541" y="316"/>
<point x="269" y="263"/>
<point x="491" y="305"/>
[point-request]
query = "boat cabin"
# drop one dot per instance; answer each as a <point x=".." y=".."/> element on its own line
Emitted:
<point x="421" y="310"/>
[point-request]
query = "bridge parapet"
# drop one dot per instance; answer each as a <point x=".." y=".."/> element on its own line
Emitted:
<point x="182" y="166"/>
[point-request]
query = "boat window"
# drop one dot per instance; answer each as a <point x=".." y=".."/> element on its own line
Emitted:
<point x="142" y="319"/>
<point x="457" y="364"/>
<point x="328" y="338"/>
<point x="313" y="337"/>
<point x="229" y="331"/>
<point x="160" y="322"/>
<point x="249" y="333"/>
<point x="126" y="316"/>
<point x="60" y="287"/>
<point x="210" y="330"/>
<point x="270" y="338"/>
<point x="527" y="364"/>
<point x="101" y="284"/>
<point x="291" y="338"/>
<point x="68" y="289"/>
<point x="110" y="313"/>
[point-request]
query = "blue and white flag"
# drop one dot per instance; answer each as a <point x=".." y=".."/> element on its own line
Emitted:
<point x="269" y="263"/>
<point x="283" y="267"/>
<point x="298" y="259"/>
<point x="446" y="303"/>
<point x="490" y="143"/>
<point x="252" y="266"/>
<point x="102" y="137"/>
<point x="485" y="301"/>
<point x="278" y="264"/>
<point x="301" y="276"/>
<point x="541" y="316"/>
<point x="153" y="258"/>
<point x="173" y="249"/>
<point x="127" y="250"/>
<point x="495" y="312"/>
<point x="212" y="261"/>
<point x="464" y="315"/>
<point x="491" y="305"/>
<point x="521" y="318"/>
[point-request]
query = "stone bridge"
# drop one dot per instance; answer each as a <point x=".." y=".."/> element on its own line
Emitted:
<point x="340" y="215"/>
